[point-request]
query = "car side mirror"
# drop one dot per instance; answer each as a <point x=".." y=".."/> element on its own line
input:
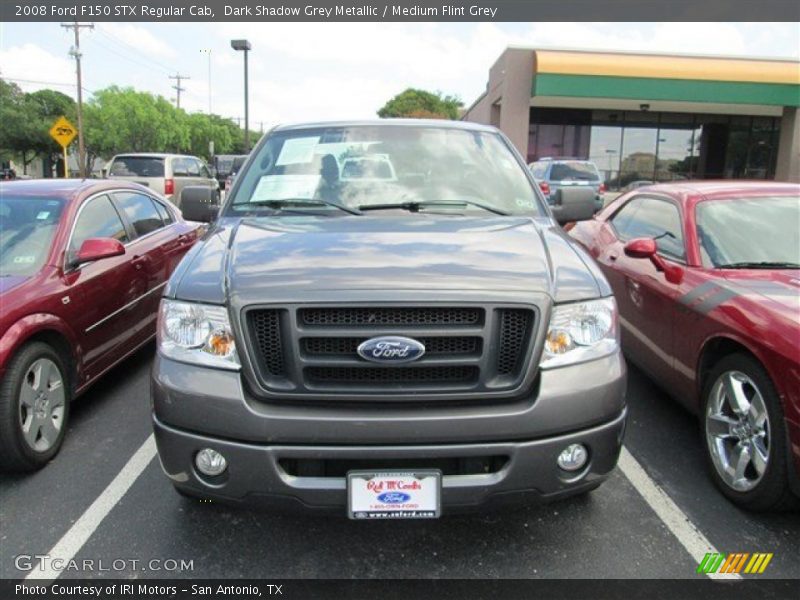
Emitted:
<point x="94" y="249"/>
<point x="648" y="248"/>
<point x="641" y="248"/>
<point x="199" y="203"/>
<point x="573" y="204"/>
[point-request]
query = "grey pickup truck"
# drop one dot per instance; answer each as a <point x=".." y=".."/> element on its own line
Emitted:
<point x="385" y="320"/>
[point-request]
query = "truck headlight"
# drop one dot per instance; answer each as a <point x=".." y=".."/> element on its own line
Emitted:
<point x="196" y="333"/>
<point x="581" y="331"/>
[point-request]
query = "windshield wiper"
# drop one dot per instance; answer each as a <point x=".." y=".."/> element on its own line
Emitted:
<point x="286" y="202"/>
<point x="761" y="265"/>
<point x="416" y="206"/>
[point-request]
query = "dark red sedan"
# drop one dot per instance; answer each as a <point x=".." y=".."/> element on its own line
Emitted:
<point x="82" y="266"/>
<point x="707" y="281"/>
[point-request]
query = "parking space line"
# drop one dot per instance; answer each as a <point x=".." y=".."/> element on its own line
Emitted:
<point x="673" y="517"/>
<point x="73" y="540"/>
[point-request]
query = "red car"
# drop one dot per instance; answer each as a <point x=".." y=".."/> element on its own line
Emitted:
<point x="707" y="281"/>
<point x="82" y="267"/>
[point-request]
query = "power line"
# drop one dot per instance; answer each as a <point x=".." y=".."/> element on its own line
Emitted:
<point x="137" y="51"/>
<point x="177" y="87"/>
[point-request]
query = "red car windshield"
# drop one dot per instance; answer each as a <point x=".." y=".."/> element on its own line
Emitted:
<point x="760" y="232"/>
<point x="27" y="228"/>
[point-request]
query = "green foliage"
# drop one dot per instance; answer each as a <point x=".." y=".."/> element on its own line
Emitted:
<point x="115" y="120"/>
<point x="420" y="104"/>
<point x="27" y="119"/>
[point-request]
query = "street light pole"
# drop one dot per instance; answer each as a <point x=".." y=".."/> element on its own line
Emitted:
<point x="244" y="46"/>
<point x="207" y="51"/>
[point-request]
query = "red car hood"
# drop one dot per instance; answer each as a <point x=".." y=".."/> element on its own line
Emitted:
<point x="780" y="288"/>
<point x="11" y="281"/>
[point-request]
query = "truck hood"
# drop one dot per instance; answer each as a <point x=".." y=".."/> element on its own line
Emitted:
<point x="260" y="260"/>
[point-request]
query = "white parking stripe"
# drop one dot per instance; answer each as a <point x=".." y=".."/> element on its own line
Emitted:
<point x="71" y="542"/>
<point x="673" y="517"/>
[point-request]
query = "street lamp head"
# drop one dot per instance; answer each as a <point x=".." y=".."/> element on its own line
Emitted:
<point x="240" y="45"/>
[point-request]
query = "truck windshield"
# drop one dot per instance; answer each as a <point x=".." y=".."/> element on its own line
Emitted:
<point x="27" y="228"/>
<point x="750" y="232"/>
<point x="358" y="166"/>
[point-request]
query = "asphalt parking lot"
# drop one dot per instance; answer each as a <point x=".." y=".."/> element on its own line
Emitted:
<point x="625" y="529"/>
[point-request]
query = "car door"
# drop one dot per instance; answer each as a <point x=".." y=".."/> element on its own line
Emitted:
<point x="155" y="247"/>
<point x="105" y="294"/>
<point x="645" y="298"/>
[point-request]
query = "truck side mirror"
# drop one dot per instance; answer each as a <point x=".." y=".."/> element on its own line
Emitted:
<point x="199" y="203"/>
<point x="573" y="204"/>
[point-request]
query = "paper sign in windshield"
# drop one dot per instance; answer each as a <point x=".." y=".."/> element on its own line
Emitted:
<point x="286" y="187"/>
<point x="297" y="150"/>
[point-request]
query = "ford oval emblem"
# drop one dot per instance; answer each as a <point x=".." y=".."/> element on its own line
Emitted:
<point x="394" y="498"/>
<point x="391" y="349"/>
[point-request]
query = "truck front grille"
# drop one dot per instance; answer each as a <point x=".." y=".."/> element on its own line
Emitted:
<point x="312" y="350"/>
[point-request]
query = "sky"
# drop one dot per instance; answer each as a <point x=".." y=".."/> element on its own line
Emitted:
<point x="323" y="71"/>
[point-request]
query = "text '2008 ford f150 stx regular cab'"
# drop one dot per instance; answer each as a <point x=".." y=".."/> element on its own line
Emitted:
<point x="386" y="321"/>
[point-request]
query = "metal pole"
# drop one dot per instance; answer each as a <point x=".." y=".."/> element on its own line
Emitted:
<point x="246" y="109"/>
<point x="66" y="169"/>
<point x="77" y="53"/>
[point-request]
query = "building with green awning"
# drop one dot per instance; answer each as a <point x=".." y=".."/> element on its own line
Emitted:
<point x="648" y="116"/>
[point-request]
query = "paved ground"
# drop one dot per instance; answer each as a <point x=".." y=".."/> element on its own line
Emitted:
<point x="614" y="532"/>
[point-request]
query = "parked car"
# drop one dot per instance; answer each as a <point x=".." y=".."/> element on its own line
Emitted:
<point x="236" y="166"/>
<point x="387" y="347"/>
<point x="553" y="174"/>
<point x="165" y="174"/>
<point x="82" y="268"/>
<point x="226" y="167"/>
<point x="8" y="174"/>
<point x="635" y="185"/>
<point x="707" y="278"/>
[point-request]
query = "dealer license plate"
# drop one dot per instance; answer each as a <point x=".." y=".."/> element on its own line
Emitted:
<point x="402" y="495"/>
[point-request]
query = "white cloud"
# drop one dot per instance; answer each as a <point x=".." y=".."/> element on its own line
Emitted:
<point x="137" y="38"/>
<point x="28" y="64"/>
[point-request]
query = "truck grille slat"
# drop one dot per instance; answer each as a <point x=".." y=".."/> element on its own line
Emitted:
<point x="469" y="350"/>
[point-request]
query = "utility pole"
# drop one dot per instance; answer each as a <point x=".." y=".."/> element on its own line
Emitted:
<point x="177" y="87"/>
<point x="76" y="53"/>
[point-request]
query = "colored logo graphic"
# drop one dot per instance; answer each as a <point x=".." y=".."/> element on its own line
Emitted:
<point x="394" y="498"/>
<point x="714" y="562"/>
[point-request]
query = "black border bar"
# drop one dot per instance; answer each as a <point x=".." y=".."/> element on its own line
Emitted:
<point x="400" y="10"/>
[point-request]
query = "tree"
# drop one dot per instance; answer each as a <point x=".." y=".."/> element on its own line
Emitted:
<point x="27" y="119"/>
<point x="413" y="103"/>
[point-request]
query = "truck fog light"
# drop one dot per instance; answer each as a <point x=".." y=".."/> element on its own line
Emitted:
<point x="573" y="457"/>
<point x="210" y="462"/>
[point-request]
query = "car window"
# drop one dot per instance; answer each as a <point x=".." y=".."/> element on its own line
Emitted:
<point x="28" y="226"/>
<point x="137" y="166"/>
<point x="204" y="172"/>
<point x="574" y="170"/>
<point x="652" y="218"/>
<point x="140" y="211"/>
<point x="166" y="215"/>
<point x="98" y="219"/>
<point x="180" y="167"/>
<point x="539" y="170"/>
<point x="193" y="167"/>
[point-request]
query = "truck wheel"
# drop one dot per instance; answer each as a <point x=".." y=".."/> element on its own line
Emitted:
<point x="34" y="408"/>
<point x="746" y="435"/>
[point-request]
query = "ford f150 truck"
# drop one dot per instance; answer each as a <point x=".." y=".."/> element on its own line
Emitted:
<point x="386" y="321"/>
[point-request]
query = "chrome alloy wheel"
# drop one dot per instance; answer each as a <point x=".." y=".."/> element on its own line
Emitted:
<point x="737" y="431"/>
<point x="41" y="404"/>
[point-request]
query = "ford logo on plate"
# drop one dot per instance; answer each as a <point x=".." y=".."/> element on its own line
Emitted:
<point x="391" y="349"/>
<point x="394" y="498"/>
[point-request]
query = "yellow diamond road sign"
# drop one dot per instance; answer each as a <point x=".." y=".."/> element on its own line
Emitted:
<point x="63" y="131"/>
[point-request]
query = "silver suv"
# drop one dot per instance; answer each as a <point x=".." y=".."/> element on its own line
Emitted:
<point x="166" y="174"/>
